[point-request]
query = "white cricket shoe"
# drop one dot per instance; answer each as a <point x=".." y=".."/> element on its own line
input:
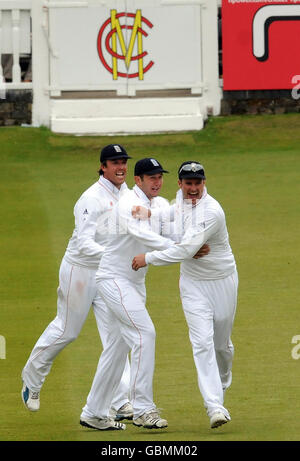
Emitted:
<point x="217" y="419"/>
<point x="125" y="412"/>
<point x="151" y="420"/>
<point x="31" y="399"/>
<point x="105" y="424"/>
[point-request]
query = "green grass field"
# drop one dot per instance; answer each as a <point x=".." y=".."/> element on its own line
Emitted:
<point x="252" y="165"/>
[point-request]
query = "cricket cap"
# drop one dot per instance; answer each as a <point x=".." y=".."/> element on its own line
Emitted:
<point x="148" y="166"/>
<point x="113" y="152"/>
<point x="191" y="169"/>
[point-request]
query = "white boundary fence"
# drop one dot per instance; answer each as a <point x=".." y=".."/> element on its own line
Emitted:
<point x="117" y="66"/>
<point x="14" y="40"/>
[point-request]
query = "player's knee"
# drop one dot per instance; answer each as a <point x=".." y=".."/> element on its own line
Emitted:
<point x="70" y="337"/>
<point x="224" y="349"/>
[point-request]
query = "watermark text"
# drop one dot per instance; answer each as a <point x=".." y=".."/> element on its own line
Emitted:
<point x="296" y="349"/>
<point x="2" y="347"/>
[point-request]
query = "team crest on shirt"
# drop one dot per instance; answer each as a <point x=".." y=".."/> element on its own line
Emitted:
<point x="86" y="211"/>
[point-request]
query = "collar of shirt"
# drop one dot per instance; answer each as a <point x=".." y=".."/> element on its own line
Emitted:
<point x="203" y="196"/>
<point x="110" y="187"/>
<point x="142" y="196"/>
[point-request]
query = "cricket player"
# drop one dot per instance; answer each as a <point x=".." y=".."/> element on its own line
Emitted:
<point x="208" y="286"/>
<point x="130" y="327"/>
<point x="77" y="289"/>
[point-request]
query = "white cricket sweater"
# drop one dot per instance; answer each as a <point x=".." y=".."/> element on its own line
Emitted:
<point x="131" y="237"/>
<point x="91" y="213"/>
<point x="193" y="226"/>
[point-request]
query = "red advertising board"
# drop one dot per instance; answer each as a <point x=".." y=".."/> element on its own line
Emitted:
<point x="260" y="44"/>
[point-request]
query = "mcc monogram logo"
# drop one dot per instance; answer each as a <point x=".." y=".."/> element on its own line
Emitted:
<point x="111" y="33"/>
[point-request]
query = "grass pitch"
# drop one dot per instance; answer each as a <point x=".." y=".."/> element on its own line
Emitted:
<point x="252" y="165"/>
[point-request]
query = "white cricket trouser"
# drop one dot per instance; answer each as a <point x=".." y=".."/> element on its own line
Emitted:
<point x="77" y="291"/>
<point x="129" y="328"/>
<point x="209" y="307"/>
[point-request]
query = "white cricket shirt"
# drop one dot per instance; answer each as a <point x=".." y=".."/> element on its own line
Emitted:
<point x="91" y="213"/>
<point x="130" y="237"/>
<point x="193" y="226"/>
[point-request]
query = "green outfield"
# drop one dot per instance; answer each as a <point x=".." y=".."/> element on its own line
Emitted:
<point x="252" y="165"/>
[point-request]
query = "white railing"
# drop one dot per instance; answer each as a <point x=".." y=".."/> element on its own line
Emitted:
<point x="15" y="44"/>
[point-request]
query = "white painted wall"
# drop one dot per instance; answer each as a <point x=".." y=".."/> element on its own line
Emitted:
<point x="173" y="45"/>
<point x="113" y="116"/>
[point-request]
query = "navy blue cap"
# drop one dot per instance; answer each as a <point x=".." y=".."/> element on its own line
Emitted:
<point x="148" y="166"/>
<point x="113" y="152"/>
<point x="191" y="169"/>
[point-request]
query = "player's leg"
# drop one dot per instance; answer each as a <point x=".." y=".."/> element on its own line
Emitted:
<point x="199" y="316"/>
<point x="138" y="331"/>
<point x="225" y="294"/>
<point x="130" y="328"/>
<point x="108" y="374"/>
<point x="127" y="301"/>
<point x="73" y="304"/>
<point x="121" y="397"/>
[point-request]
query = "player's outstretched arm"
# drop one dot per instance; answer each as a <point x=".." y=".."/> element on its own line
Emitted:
<point x="140" y="260"/>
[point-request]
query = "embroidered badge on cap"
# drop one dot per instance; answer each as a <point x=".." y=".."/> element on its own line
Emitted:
<point x="155" y="163"/>
<point x="118" y="149"/>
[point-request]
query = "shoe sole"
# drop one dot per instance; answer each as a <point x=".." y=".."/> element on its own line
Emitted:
<point x="149" y="427"/>
<point x="218" y="424"/>
<point x="83" y="423"/>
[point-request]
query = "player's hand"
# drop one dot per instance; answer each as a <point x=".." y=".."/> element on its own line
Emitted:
<point x="138" y="262"/>
<point x="204" y="250"/>
<point x="140" y="212"/>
